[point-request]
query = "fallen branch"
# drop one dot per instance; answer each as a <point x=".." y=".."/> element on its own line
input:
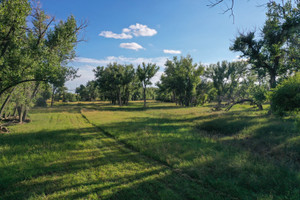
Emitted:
<point x="245" y="100"/>
<point x="3" y="129"/>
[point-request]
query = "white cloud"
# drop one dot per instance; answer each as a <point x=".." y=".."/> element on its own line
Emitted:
<point x="128" y="33"/>
<point x="109" y="34"/>
<point x="131" y="45"/>
<point x="169" y="51"/>
<point x="140" y="30"/>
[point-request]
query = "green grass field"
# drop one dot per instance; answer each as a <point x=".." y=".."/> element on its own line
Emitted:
<point x="99" y="151"/>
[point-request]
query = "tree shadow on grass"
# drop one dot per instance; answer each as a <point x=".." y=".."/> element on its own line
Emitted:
<point x="234" y="164"/>
<point x="104" y="169"/>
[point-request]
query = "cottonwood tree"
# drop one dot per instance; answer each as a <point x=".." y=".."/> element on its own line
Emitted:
<point x="36" y="52"/>
<point x="181" y="78"/>
<point x="115" y="82"/>
<point x="145" y="73"/>
<point x="276" y="52"/>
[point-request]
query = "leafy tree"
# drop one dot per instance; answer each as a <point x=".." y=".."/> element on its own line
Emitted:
<point x="33" y="52"/>
<point x="145" y="73"/>
<point x="277" y="51"/>
<point x="225" y="77"/>
<point x="89" y="92"/>
<point x="115" y="82"/>
<point x="181" y="78"/>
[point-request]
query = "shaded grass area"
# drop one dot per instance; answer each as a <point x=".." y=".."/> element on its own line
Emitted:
<point x="61" y="156"/>
<point x="244" y="152"/>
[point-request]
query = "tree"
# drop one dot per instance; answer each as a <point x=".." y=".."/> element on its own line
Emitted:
<point x="276" y="52"/>
<point x="145" y="73"/>
<point x="181" y="78"/>
<point x="89" y="92"/>
<point x="33" y="52"/>
<point x="115" y="82"/>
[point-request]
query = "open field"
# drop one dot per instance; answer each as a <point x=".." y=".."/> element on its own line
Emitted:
<point x="99" y="151"/>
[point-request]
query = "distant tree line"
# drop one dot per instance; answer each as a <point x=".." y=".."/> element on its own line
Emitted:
<point x="266" y="61"/>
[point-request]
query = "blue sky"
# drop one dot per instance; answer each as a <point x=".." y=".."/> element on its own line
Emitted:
<point x="133" y="31"/>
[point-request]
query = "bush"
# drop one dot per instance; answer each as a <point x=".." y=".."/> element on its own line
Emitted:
<point x="41" y="102"/>
<point x="286" y="96"/>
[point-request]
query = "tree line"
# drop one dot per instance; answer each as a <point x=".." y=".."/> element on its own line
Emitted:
<point x="34" y="66"/>
<point x="266" y="61"/>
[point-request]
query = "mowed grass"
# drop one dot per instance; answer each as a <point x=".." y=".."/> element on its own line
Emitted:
<point x="59" y="155"/>
<point x="243" y="153"/>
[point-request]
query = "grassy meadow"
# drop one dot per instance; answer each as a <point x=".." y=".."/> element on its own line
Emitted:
<point x="99" y="151"/>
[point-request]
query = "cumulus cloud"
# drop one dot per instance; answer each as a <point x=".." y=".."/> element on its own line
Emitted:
<point x="140" y="30"/>
<point x="109" y="34"/>
<point x="131" y="45"/>
<point x="128" y="33"/>
<point x="170" y="51"/>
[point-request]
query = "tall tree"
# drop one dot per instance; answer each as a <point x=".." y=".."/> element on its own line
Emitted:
<point x="181" y="78"/>
<point x="37" y="51"/>
<point x="115" y="81"/>
<point x="145" y="73"/>
<point x="277" y="52"/>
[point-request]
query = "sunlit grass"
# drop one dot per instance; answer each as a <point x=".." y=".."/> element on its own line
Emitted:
<point x="59" y="155"/>
<point x="244" y="152"/>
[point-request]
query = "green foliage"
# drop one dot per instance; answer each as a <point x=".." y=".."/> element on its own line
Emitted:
<point x="116" y="82"/>
<point x="259" y="94"/>
<point x="90" y="92"/>
<point x="286" y="96"/>
<point x="226" y="79"/>
<point x="144" y="74"/>
<point x="35" y="51"/>
<point x="277" y="51"/>
<point x="181" y="78"/>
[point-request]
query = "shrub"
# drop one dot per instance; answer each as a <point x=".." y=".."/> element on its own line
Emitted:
<point x="286" y="96"/>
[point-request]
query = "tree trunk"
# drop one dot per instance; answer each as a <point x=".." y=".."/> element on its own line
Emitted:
<point x="24" y="114"/>
<point x="120" y="98"/>
<point x="52" y="98"/>
<point x="144" y="97"/>
<point x="20" y="112"/>
<point x="15" y="111"/>
<point x="6" y="101"/>
<point x="272" y="79"/>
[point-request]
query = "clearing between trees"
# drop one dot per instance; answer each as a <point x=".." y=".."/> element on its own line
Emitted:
<point x="99" y="151"/>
